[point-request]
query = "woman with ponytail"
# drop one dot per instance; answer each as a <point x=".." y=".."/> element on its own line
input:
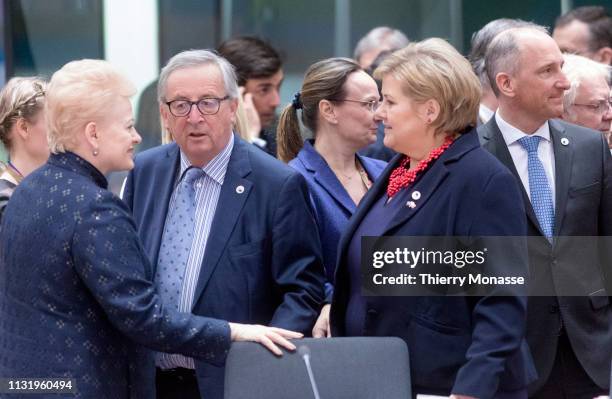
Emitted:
<point x="337" y="102"/>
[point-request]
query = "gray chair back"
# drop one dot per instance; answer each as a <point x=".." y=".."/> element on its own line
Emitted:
<point x="351" y="368"/>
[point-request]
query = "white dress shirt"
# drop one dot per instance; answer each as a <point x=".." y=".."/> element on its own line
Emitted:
<point x="519" y="154"/>
<point x="485" y="113"/>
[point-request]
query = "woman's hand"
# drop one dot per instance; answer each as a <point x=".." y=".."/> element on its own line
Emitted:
<point x="269" y="337"/>
<point x="321" y="328"/>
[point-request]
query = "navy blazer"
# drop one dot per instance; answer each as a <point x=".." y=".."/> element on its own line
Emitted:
<point x="262" y="263"/>
<point x="332" y="204"/>
<point x="76" y="288"/>
<point x="466" y="345"/>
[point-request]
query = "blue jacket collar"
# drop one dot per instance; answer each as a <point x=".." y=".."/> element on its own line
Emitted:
<point x="314" y="163"/>
<point x="73" y="162"/>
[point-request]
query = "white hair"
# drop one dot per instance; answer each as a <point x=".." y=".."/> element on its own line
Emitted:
<point x="379" y="36"/>
<point x="80" y="92"/>
<point x="578" y="68"/>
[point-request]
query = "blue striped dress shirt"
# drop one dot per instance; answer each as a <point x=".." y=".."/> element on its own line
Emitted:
<point x="207" y="191"/>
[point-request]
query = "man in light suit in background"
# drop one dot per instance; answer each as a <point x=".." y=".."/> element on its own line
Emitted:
<point x="228" y="227"/>
<point x="565" y="172"/>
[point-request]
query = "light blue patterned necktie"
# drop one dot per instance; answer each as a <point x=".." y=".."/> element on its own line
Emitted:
<point x="541" y="194"/>
<point x="177" y="239"/>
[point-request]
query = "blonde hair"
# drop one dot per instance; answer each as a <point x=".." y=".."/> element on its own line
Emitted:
<point x="433" y="69"/>
<point x="20" y="98"/>
<point x="324" y="80"/>
<point x="79" y="93"/>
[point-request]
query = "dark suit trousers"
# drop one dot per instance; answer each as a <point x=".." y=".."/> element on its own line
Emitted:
<point x="568" y="380"/>
<point x="176" y="384"/>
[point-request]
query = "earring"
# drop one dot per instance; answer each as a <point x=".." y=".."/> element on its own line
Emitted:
<point x="95" y="153"/>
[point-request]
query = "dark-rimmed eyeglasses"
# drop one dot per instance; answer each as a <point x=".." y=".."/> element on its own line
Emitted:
<point x="600" y="107"/>
<point x="206" y="106"/>
<point x="372" y="105"/>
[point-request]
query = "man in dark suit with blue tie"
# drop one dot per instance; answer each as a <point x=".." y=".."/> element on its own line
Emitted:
<point x="228" y="228"/>
<point x="566" y="175"/>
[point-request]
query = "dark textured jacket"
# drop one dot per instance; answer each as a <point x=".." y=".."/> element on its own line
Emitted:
<point x="76" y="288"/>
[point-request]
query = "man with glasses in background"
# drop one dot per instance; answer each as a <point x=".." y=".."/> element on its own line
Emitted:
<point x="587" y="102"/>
<point x="229" y="229"/>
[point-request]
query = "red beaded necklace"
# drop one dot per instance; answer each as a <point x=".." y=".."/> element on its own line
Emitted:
<point x="402" y="177"/>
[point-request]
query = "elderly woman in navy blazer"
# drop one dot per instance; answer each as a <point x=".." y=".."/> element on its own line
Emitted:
<point x="76" y="286"/>
<point x="337" y="102"/>
<point x="440" y="184"/>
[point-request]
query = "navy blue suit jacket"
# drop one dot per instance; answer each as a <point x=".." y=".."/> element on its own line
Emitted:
<point x="76" y="289"/>
<point x="262" y="263"/>
<point x="332" y="204"/>
<point x="466" y="345"/>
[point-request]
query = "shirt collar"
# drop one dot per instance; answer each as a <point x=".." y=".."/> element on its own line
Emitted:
<point x="485" y="112"/>
<point x="512" y="134"/>
<point x="217" y="167"/>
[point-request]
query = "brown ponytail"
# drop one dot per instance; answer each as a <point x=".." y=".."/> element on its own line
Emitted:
<point x="324" y="80"/>
<point x="288" y="136"/>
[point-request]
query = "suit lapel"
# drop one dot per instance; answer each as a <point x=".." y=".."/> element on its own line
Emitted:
<point x="323" y="175"/>
<point x="165" y="177"/>
<point x="378" y="189"/>
<point x="493" y="141"/>
<point x="229" y="208"/>
<point x="563" y="167"/>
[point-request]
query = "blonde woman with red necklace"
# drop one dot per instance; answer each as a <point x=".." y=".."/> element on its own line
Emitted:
<point x="442" y="183"/>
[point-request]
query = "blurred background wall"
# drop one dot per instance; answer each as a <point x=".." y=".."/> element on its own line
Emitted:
<point x="139" y="36"/>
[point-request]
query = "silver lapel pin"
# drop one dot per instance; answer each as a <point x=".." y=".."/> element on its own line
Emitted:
<point x="564" y="141"/>
<point x="240" y="189"/>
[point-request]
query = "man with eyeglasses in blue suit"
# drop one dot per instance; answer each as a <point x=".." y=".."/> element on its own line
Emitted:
<point x="229" y="229"/>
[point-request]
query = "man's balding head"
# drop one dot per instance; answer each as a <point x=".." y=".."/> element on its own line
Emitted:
<point x="524" y="66"/>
